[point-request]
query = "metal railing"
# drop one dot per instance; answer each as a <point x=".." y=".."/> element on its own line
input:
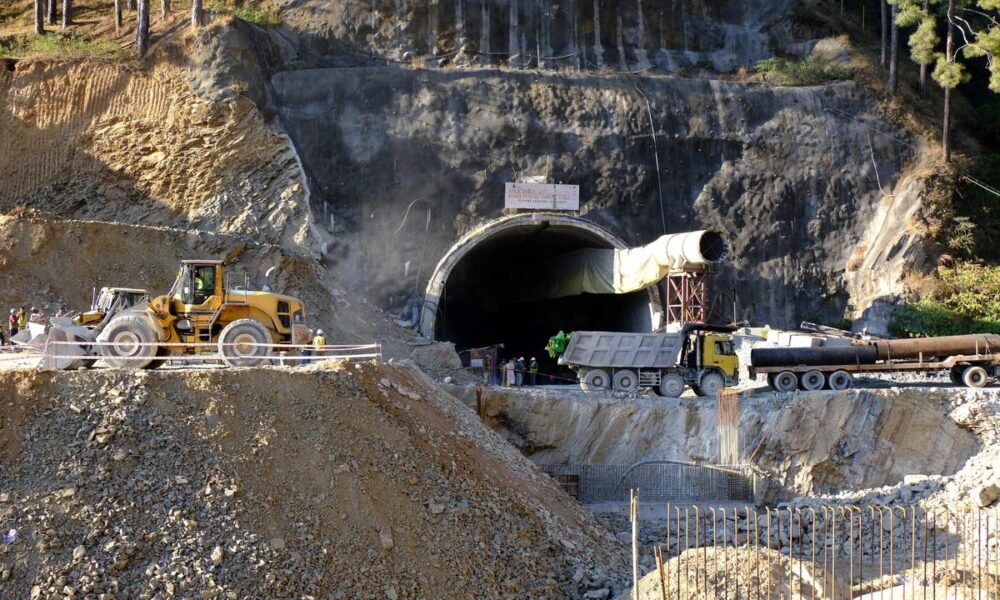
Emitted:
<point x="205" y="351"/>
<point x="829" y="552"/>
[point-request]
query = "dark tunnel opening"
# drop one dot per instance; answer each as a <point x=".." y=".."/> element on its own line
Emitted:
<point x="480" y="304"/>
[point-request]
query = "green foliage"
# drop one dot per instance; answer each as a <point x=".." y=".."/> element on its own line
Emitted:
<point x="909" y="12"/>
<point x="966" y="301"/>
<point x="803" y="72"/>
<point x="923" y="41"/>
<point x="257" y="16"/>
<point x="63" y="46"/>
<point x="949" y="74"/>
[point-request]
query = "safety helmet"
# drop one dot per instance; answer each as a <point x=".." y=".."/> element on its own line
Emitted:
<point x="522" y="358"/>
<point x="13" y="311"/>
<point x="319" y="332"/>
<point x="532" y="358"/>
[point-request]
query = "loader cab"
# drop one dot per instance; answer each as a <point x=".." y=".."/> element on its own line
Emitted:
<point x="198" y="287"/>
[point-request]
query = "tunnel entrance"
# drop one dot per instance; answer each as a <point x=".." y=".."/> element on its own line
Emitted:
<point x="477" y="295"/>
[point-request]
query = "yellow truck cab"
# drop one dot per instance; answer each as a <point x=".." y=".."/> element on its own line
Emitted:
<point x="718" y="351"/>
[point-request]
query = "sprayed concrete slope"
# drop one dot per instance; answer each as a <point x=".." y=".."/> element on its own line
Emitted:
<point x="806" y="444"/>
<point x="334" y="481"/>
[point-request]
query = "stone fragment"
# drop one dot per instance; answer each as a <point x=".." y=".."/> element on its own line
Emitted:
<point x="987" y="494"/>
<point x="217" y="555"/>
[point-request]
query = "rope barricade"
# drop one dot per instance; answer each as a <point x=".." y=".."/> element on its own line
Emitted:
<point x="324" y="352"/>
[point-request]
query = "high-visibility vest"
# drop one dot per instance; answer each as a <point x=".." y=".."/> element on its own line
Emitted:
<point x="319" y="341"/>
<point x="22" y="320"/>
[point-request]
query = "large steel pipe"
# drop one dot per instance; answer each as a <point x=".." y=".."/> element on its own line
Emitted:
<point x="692" y="249"/>
<point x="810" y="357"/>
<point x="937" y="347"/>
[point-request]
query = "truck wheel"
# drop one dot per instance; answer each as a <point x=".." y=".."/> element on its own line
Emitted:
<point x="626" y="380"/>
<point x="839" y="380"/>
<point x="811" y="381"/>
<point x="131" y="343"/>
<point x="244" y="343"/>
<point x="786" y="381"/>
<point x="671" y="385"/>
<point x="975" y="377"/>
<point x="711" y="384"/>
<point x="596" y="380"/>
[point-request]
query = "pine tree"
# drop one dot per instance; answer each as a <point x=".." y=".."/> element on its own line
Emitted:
<point x="142" y="28"/>
<point x="118" y="15"/>
<point x="884" y="7"/>
<point x="164" y="9"/>
<point x="39" y="17"/>
<point x="51" y="17"/>
<point x="195" y="13"/>
<point x="67" y="16"/>
<point x="894" y="52"/>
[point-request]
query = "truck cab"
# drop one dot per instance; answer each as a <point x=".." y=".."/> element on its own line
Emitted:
<point x="719" y="352"/>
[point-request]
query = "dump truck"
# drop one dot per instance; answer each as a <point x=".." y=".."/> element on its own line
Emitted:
<point x="970" y="360"/>
<point x="700" y="356"/>
<point x="203" y="306"/>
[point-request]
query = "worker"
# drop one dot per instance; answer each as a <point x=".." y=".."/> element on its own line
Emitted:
<point x="35" y="316"/>
<point x="520" y="366"/>
<point x="533" y="372"/>
<point x="509" y="379"/>
<point x="12" y="322"/>
<point x="22" y="318"/>
<point x="318" y="342"/>
<point x="202" y="286"/>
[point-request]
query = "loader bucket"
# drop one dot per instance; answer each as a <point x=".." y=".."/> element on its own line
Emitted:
<point x="66" y="345"/>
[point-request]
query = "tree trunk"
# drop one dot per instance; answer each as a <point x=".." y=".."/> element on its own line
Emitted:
<point x="131" y="5"/>
<point x="195" y="13"/>
<point x="118" y="15"/>
<point x="894" y="54"/>
<point x="883" y="4"/>
<point x="51" y="18"/>
<point x="164" y="9"/>
<point x="67" y="16"/>
<point x="142" y="28"/>
<point x="950" y="55"/>
<point x="923" y="68"/>
<point x="39" y="17"/>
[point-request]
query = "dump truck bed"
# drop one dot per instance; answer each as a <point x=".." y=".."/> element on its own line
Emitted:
<point x="603" y="349"/>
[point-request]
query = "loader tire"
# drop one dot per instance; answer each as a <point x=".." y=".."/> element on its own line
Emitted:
<point x="161" y="358"/>
<point x="130" y="343"/>
<point x="245" y="343"/>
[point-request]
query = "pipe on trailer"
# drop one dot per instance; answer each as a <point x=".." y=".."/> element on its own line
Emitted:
<point x="808" y="357"/>
<point x="937" y="347"/>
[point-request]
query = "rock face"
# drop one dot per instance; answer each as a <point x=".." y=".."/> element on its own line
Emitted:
<point x="807" y="443"/>
<point x="409" y="160"/>
<point x="573" y="34"/>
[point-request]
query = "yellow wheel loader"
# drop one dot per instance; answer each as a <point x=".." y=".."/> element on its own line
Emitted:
<point x="203" y="307"/>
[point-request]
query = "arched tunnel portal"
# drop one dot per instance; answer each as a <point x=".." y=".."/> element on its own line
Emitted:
<point x="476" y="295"/>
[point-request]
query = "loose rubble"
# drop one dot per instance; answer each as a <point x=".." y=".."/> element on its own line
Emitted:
<point x="333" y="481"/>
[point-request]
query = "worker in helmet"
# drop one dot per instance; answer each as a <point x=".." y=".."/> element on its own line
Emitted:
<point x="12" y="324"/>
<point x="520" y="367"/>
<point x="318" y="342"/>
<point x="533" y="372"/>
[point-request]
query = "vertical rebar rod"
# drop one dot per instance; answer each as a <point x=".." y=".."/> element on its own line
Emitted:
<point x="634" y="513"/>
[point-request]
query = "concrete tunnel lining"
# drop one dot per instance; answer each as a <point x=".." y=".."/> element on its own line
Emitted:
<point x="472" y="264"/>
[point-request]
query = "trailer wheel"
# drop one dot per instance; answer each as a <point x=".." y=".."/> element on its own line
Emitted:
<point x="811" y="381"/>
<point x="975" y="377"/>
<point x="839" y="381"/>
<point x="671" y="385"/>
<point x="595" y="380"/>
<point x="626" y="381"/>
<point x="786" y="381"/>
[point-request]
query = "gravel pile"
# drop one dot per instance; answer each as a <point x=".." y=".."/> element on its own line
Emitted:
<point x="331" y="481"/>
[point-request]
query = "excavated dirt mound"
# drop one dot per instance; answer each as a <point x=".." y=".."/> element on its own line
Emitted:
<point x="334" y="481"/>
